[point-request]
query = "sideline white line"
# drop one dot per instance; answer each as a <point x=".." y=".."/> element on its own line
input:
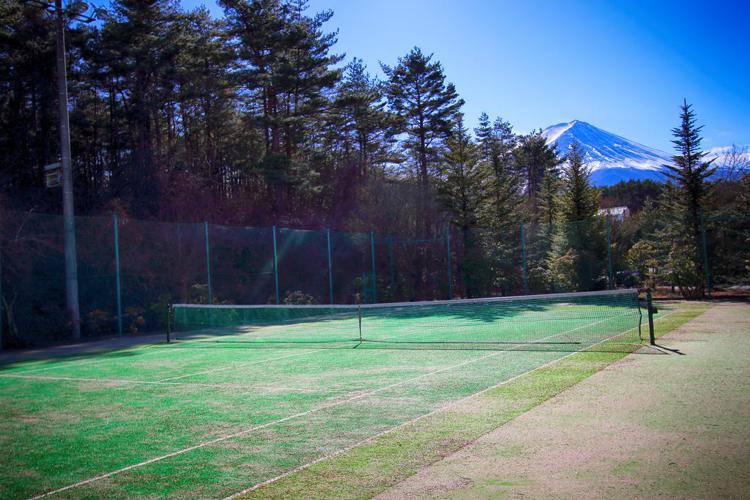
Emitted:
<point x="290" y="417"/>
<point x="258" y="427"/>
<point x="102" y="357"/>
<point x="165" y="381"/>
<point x="414" y="420"/>
<point x="237" y="364"/>
<point x="63" y="363"/>
<point x="119" y="381"/>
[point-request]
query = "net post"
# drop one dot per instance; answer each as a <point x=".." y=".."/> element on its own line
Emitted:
<point x="525" y="268"/>
<point x="359" y="315"/>
<point x="208" y="262"/>
<point x="450" y="264"/>
<point x="374" y="276"/>
<point x="610" y="273"/>
<point x="275" y="265"/>
<point x="330" y="267"/>
<point x="650" y="308"/>
<point x="169" y="323"/>
<point x="704" y="245"/>
<point x="118" y="289"/>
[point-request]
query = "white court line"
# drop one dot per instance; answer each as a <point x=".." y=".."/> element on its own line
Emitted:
<point x="120" y="381"/>
<point x="164" y="381"/>
<point x="106" y="380"/>
<point x="290" y="417"/>
<point x="239" y="363"/>
<point x="412" y="421"/>
<point x="62" y="362"/>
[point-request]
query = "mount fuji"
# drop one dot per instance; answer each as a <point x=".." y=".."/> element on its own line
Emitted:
<point x="610" y="157"/>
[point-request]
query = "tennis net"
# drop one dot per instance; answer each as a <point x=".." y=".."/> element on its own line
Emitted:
<point x="575" y="319"/>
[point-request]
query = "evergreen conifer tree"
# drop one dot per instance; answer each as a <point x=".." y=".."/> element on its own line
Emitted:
<point x="685" y="199"/>
<point x="460" y="186"/>
<point x="582" y="246"/>
<point x="362" y="121"/>
<point x="534" y="158"/>
<point x="501" y="213"/>
<point x="426" y="108"/>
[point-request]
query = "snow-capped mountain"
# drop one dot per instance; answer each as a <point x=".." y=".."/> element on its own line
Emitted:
<point x="612" y="158"/>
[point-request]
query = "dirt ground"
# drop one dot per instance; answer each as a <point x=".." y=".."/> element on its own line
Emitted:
<point x="647" y="426"/>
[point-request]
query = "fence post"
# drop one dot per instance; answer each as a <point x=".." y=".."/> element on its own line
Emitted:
<point x="610" y="273"/>
<point x="391" y="266"/>
<point x="118" y="290"/>
<point x="1" y="297"/>
<point x="208" y="263"/>
<point x="704" y="244"/>
<point x="450" y="263"/>
<point x="330" y="266"/>
<point x="374" y="277"/>
<point x="275" y="265"/>
<point x="525" y="269"/>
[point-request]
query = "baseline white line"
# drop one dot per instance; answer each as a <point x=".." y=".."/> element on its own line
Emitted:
<point x="414" y="420"/>
<point x="290" y="417"/>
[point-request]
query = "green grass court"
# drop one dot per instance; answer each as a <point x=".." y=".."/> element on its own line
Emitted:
<point x="226" y="408"/>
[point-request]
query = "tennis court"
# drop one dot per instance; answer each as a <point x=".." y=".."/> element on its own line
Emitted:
<point x="240" y="395"/>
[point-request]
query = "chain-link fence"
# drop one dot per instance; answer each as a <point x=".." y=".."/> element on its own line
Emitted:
<point x="129" y="270"/>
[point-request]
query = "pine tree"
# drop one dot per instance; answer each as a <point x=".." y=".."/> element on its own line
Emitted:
<point x="497" y="143"/>
<point x="580" y="198"/>
<point x="27" y="100"/>
<point x="582" y="246"/>
<point x="426" y="107"/>
<point x="549" y="202"/>
<point x="288" y="74"/>
<point x="534" y="159"/>
<point x="362" y="120"/>
<point x="686" y="195"/>
<point x="460" y="185"/>
<point x="139" y="46"/>
<point x="501" y="212"/>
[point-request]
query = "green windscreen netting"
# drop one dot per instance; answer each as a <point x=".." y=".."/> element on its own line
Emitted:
<point x="576" y="319"/>
<point x="130" y="270"/>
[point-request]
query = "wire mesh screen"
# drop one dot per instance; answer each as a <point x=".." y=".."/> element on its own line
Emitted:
<point x="419" y="268"/>
<point x="33" y="286"/>
<point x="165" y="263"/>
<point x="96" y="275"/>
<point x="161" y="263"/>
<point x="302" y="266"/>
<point x="351" y="257"/>
<point x="242" y="265"/>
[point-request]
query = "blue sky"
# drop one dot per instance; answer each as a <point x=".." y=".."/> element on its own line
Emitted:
<point x="622" y="66"/>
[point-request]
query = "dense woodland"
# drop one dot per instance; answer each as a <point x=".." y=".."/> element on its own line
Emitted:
<point x="257" y="119"/>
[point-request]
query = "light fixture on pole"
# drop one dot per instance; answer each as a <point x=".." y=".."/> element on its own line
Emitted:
<point x="65" y="171"/>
